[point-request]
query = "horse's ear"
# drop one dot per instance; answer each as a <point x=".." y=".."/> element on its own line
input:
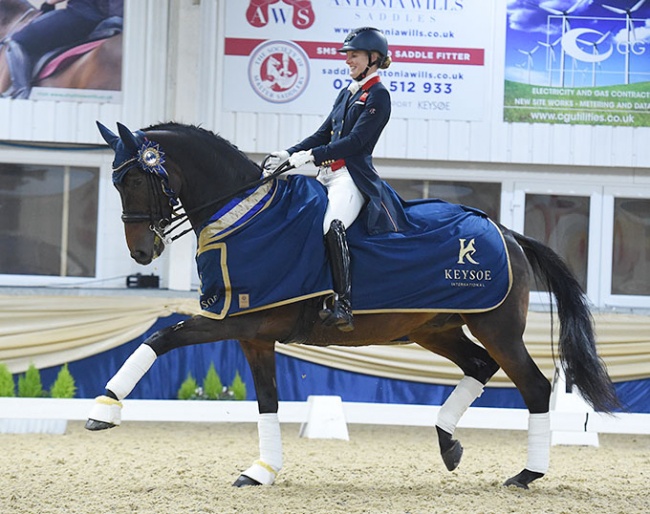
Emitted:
<point x="108" y="136"/>
<point x="128" y="138"/>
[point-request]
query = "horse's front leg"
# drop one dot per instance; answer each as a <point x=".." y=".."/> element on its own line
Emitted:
<point x="261" y="359"/>
<point x="107" y="410"/>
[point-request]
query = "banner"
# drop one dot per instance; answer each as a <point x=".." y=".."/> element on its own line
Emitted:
<point x="578" y="62"/>
<point x="69" y="52"/>
<point x="281" y="56"/>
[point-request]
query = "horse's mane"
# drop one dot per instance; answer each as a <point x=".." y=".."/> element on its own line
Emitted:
<point x="206" y="145"/>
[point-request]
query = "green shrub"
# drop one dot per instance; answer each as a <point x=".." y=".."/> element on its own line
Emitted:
<point x="188" y="389"/>
<point x="64" y="386"/>
<point x="238" y="388"/>
<point x="29" y="384"/>
<point x="7" y="385"/>
<point x="212" y="386"/>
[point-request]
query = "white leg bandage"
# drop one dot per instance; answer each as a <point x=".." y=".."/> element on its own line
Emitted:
<point x="132" y="371"/>
<point x="539" y="442"/>
<point x="107" y="410"/>
<point x="269" y="464"/>
<point x="467" y="390"/>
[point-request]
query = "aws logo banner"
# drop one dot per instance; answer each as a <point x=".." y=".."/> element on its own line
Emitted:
<point x="282" y="56"/>
<point x="299" y="13"/>
<point x="467" y="271"/>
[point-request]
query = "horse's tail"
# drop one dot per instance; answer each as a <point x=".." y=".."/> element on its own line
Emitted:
<point x="577" y="345"/>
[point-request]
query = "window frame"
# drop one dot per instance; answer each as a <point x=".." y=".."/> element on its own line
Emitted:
<point x="13" y="154"/>
<point x="607" y="299"/>
<point x="594" y="193"/>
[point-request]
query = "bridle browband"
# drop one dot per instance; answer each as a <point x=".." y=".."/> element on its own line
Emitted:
<point x="164" y="227"/>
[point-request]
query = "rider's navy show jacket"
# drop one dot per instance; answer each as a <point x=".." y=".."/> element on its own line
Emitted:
<point x="350" y="132"/>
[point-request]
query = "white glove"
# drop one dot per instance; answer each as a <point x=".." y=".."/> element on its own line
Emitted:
<point x="274" y="159"/>
<point x="301" y="158"/>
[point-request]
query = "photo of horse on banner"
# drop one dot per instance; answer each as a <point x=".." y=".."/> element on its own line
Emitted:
<point x="90" y="59"/>
<point x="264" y="277"/>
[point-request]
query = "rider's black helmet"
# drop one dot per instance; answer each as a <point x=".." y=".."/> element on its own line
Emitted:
<point x="368" y="39"/>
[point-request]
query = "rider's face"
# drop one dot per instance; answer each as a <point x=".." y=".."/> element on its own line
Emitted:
<point x="356" y="61"/>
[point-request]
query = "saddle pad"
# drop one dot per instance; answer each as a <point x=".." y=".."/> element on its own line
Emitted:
<point x="267" y="250"/>
<point x="67" y="56"/>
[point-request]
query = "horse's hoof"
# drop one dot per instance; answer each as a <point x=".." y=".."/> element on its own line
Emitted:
<point x="94" y="425"/>
<point x="106" y="413"/>
<point x="244" y="481"/>
<point x="523" y="479"/>
<point x="450" y="449"/>
<point x="452" y="456"/>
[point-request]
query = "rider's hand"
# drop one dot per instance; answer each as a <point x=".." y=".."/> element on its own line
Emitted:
<point x="274" y="159"/>
<point x="300" y="158"/>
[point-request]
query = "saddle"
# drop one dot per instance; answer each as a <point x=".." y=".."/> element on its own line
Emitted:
<point x="63" y="56"/>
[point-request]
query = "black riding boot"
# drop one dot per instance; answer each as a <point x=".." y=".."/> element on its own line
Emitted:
<point x="20" y="69"/>
<point x="340" y="313"/>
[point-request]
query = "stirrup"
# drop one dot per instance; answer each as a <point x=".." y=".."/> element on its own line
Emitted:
<point x="339" y="315"/>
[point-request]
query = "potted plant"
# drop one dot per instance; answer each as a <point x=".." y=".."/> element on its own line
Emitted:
<point x="212" y="388"/>
<point x="7" y="385"/>
<point x="64" y="386"/>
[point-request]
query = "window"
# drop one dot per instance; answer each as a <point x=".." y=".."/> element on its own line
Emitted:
<point x="485" y="196"/>
<point x="631" y="248"/>
<point x="561" y="222"/>
<point x="48" y="220"/>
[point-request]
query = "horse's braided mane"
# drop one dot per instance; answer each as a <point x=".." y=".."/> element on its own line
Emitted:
<point x="209" y="142"/>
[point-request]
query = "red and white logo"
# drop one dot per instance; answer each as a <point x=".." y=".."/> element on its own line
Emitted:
<point x="278" y="71"/>
<point x="260" y="12"/>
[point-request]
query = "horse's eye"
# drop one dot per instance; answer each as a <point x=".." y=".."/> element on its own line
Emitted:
<point x="137" y="181"/>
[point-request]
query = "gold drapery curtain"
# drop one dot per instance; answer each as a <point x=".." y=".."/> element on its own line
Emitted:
<point x="51" y="330"/>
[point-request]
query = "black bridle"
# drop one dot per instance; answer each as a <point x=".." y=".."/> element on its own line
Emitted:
<point x="156" y="217"/>
<point x="164" y="227"/>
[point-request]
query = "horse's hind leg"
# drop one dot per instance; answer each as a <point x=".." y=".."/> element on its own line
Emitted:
<point x="261" y="359"/>
<point x="478" y="367"/>
<point x="501" y="334"/>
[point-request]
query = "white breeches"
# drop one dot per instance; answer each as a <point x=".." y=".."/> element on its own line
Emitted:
<point x="344" y="200"/>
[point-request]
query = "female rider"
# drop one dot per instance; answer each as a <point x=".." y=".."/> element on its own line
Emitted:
<point x="342" y="149"/>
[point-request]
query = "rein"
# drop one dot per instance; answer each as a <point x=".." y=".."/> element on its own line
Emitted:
<point x="164" y="227"/>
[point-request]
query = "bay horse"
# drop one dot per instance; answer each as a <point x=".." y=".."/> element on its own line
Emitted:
<point x="99" y="68"/>
<point x="169" y="163"/>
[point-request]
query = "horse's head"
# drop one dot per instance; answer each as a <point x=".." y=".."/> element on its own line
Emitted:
<point x="148" y="197"/>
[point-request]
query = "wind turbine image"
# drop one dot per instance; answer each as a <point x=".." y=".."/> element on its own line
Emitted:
<point x="594" y="53"/>
<point x="629" y="27"/>
<point x="550" y="57"/>
<point x="529" y="59"/>
<point x="565" y="29"/>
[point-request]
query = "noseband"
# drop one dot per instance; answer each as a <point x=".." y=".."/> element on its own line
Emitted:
<point x="156" y="217"/>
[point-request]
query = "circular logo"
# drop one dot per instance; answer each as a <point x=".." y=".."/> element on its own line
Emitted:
<point x="278" y="71"/>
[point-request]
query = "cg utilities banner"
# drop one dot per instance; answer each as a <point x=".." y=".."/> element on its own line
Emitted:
<point x="578" y="62"/>
<point x="281" y="55"/>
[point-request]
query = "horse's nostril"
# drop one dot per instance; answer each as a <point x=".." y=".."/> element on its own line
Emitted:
<point x="141" y="257"/>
